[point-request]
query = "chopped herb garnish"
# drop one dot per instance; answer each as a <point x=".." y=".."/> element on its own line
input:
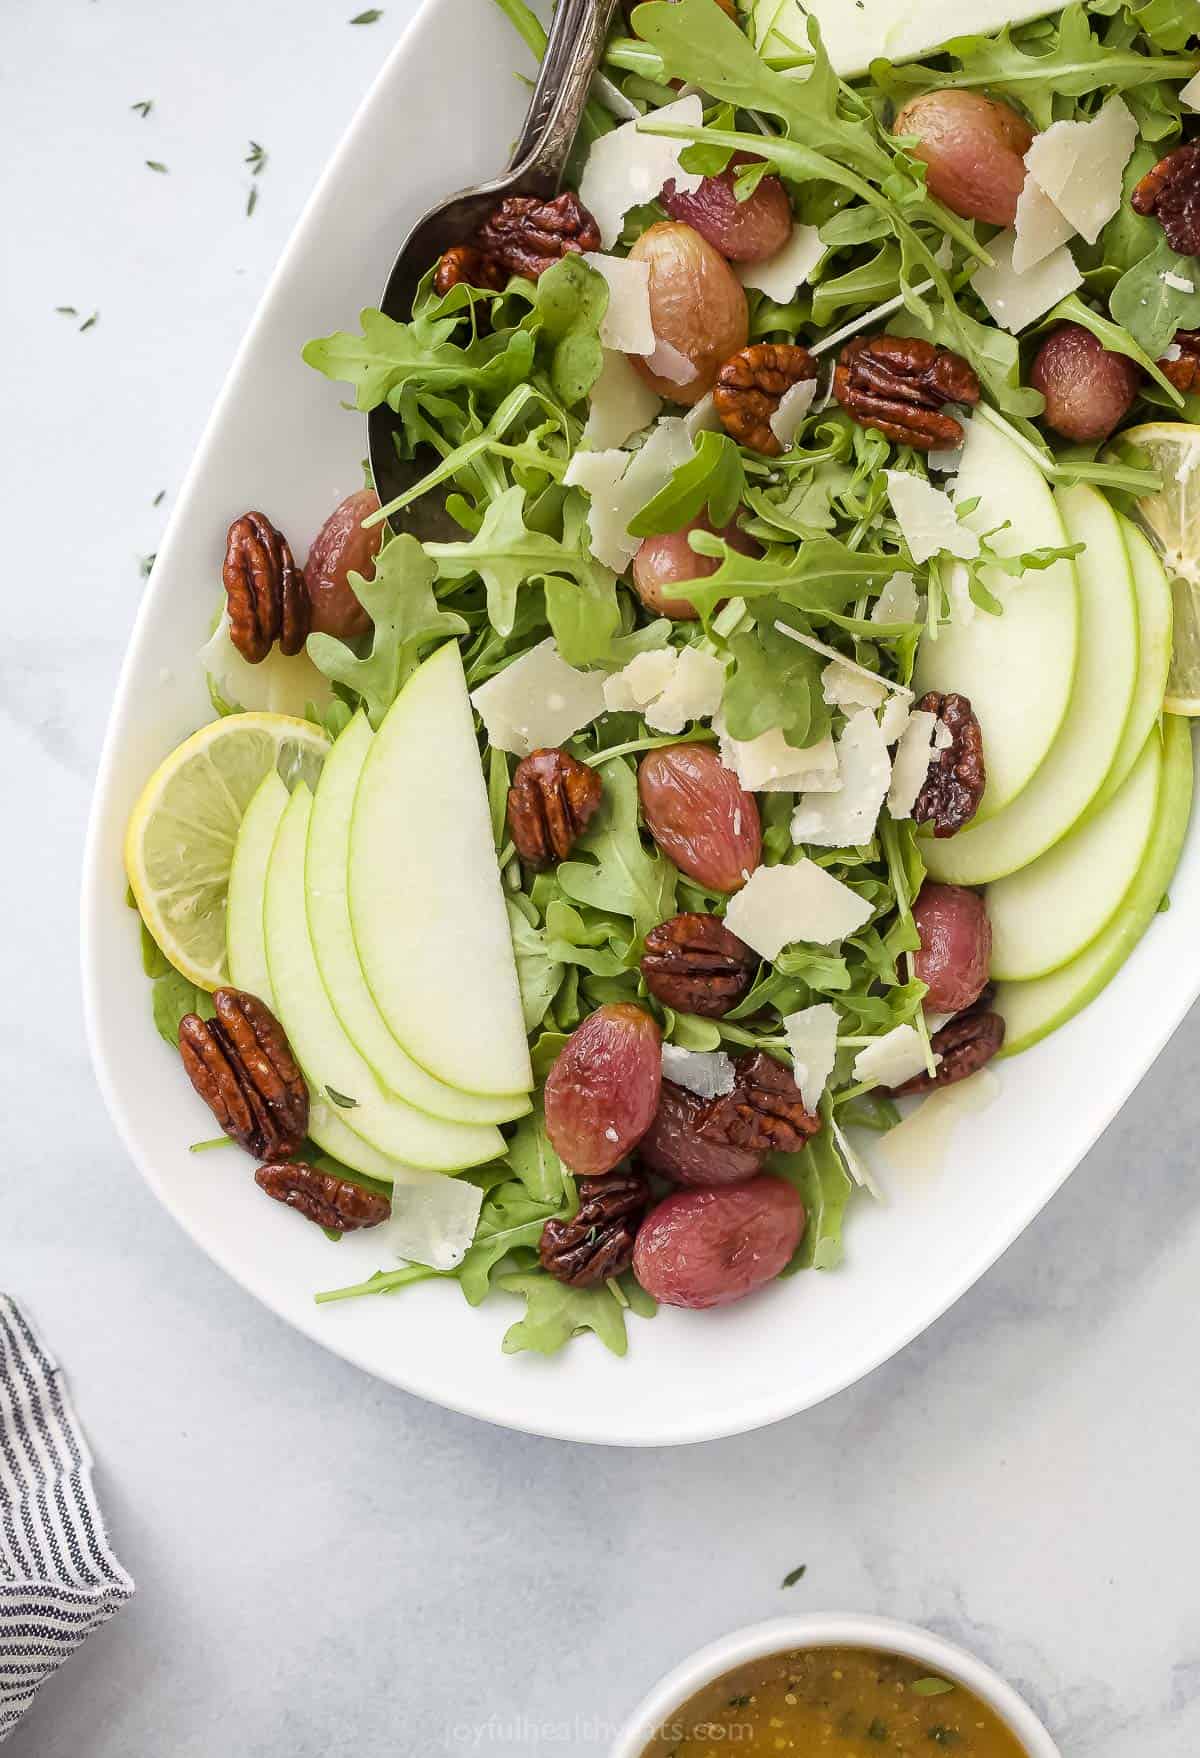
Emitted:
<point x="369" y="16"/>
<point x="156" y="165"/>
<point x="252" y="200"/>
<point x="739" y="1702"/>
<point x="143" y="107"/>
<point x="89" y="322"/>
<point x="256" y="158"/>
<point x="931" y="1687"/>
<point x="341" y="1100"/>
<point x="66" y="311"/>
<point x="877" y="1731"/>
<point x="794" y="1575"/>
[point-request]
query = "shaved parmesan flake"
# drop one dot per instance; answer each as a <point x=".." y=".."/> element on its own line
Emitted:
<point x="832" y="653"/>
<point x="846" y="819"/>
<point x="626" y="324"/>
<point x="857" y="32"/>
<point x="858" y="1168"/>
<point x="434" y="1222"/>
<point x="1014" y="300"/>
<point x="794" y="405"/>
<point x="538" y="701"/>
<point x="693" y="693"/>
<point x="913" y="757"/>
<point x="707" y="1073"/>
<point x="846" y="686"/>
<point x="897" y="603"/>
<point x="894" y="1058"/>
<point x="812" y="1039"/>
<point x="613" y="98"/>
<point x="1080" y="165"/>
<point x="646" y="676"/>
<point x="622" y="403"/>
<point x="943" y="738"/>
<point x="1039" y="227"/>
<point x="1189" y="94"/>
<point x="1180" y="283"/>
<point x="768" y="764"/>
<point x="944" y="458"/>
<point x="780" y="905"/>
<point x="702" y="417"/>
<point x="894" y="719"/>
<point x="620" y="484"/>
<point x="920" y="1142"/>
<point x="279" y="684"/>
<point x="1172" y="351"/>
<point x="669" y="363"/>
<point x="668" y="687"/>
<point x="780" y="275"/>
<point x="927" y="519"/>
<point x="626" y="168"/>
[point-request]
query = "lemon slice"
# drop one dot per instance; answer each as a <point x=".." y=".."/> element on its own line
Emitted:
<point x="1172" y="517"/>
<point x="181" y="835"/>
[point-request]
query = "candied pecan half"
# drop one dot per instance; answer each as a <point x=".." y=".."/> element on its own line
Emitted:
<point x="526" y="235"/>
<point x="694" y="964"/>
<point x="336" y="1203"/>
<point x="550" y="802"/>
<point x="752" y="384"/>
<point x="465" y="263"/>
<point x="899" y="386"/>
<point x="964" y="1044"/>
<point x="242" y="1066"/>
<point x="1184" y="371"/>
<point x="957" y="776"/>
<point x="674" y="1147"/>
<point x="1171" y="192"/>
<point x="598" y="1241"/>
<point x="265" y="590"/>
<point x="764" y="1111"/>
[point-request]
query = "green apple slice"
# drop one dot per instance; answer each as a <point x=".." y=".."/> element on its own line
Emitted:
<point x="331" y="1064"/>
<point x="245" y="948"/>
<point x="1045" y="915"/>
<point x="337" y="956"/>
<point x="247" y="958"/>
<point x="1033" y="1010"/>
<point x="1083" y="751"/>
<point x="1017" y="668"/>
<point x="1152" y="589"/>
<point x="426" y="902"/>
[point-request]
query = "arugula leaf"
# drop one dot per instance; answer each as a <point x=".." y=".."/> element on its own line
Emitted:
<point x="617" y="872"/>
<point x="1148" y="307"/>
<point x="555" y="1313"/>
<point x="570" y="300"/>
<point x="535" y="1162"/>
<point x="401" y="604"/>
<point x="581" y="600"/>
<point x="389" y="357"/>
<point x="821" y="578"/>
<point x="713" y="477"/>
<point x="510" y="1220"/>
<point x="539" y="974"/>
<point x="1036" y="65"/>
<point x="1116" y="339"/>
<point x="825" y="1188"/>
<point x="774" y="682"/>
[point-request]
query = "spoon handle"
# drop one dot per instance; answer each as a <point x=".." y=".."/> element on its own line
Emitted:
<point x="573" y="50"/>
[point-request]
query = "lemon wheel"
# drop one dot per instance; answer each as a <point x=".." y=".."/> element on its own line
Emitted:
<point x="1172" y="518"/>
<point x="180" y="841"/>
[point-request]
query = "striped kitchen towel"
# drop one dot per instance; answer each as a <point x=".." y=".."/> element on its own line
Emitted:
<point x="58" y="1579"/>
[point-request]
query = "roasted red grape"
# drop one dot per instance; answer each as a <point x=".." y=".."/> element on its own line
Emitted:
<point x="602" y="1092"/>
<point x="699" y="815"/>
<point x="956" y="946"/>
<point x="708" y="1247"/>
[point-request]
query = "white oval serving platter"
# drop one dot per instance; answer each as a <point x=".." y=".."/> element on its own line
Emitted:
<point x="279" y="439"/>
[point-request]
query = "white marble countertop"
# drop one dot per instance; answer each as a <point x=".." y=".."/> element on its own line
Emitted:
<point x="324" y="1565"/>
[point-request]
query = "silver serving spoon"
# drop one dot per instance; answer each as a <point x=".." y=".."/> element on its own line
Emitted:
<point x="573" y="49"/>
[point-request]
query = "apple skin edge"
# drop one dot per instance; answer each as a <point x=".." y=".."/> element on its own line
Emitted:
<point x="1034" y="1009"/>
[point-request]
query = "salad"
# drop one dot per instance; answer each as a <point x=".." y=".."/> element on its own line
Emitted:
<point x="797" y="717"/>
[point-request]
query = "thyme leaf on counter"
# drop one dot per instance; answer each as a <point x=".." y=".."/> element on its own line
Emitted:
<point x="794" y="1575"/>
<point x="143" y="107"/>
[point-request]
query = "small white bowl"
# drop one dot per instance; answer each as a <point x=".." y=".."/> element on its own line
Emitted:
<point x="831" y="1630"/>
